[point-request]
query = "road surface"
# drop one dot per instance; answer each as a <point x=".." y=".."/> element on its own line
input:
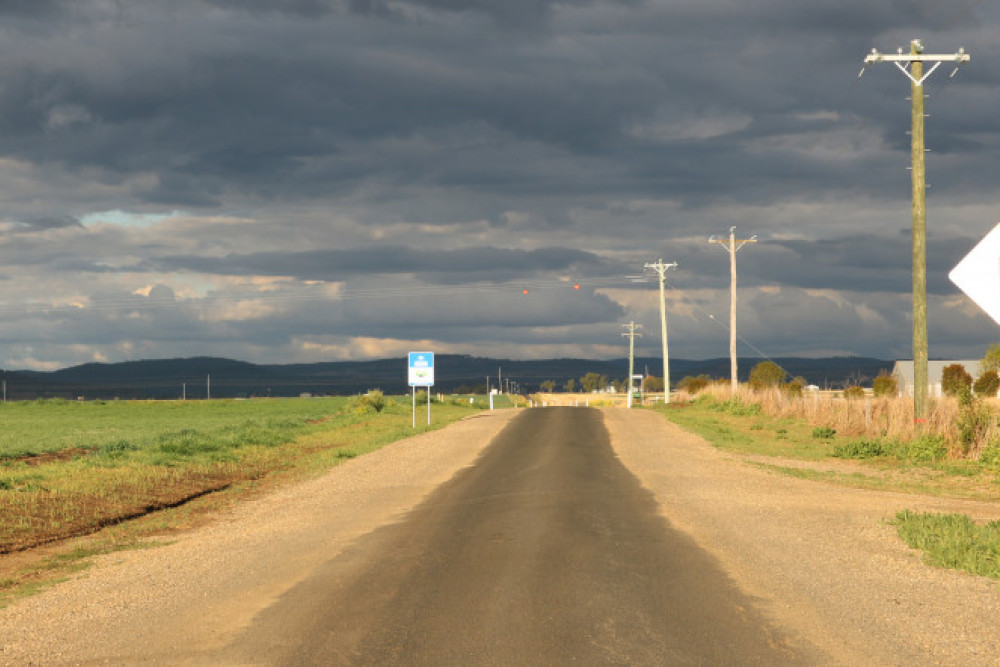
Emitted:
<point x="546" y="551"/>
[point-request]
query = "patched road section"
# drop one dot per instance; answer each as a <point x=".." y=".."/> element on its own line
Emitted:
<point x="547" y="551"/>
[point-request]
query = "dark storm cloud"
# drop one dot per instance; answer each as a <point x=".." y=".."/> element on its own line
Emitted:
<point x="248" y="110"/>
<point x="50" y="222"/>
<point x="443" y="266"/>
<point x="456" y="142"/>
<point x="854" y="263"/>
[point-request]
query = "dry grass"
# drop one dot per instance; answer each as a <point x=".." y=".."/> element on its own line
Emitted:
<point x="872" y="417"/>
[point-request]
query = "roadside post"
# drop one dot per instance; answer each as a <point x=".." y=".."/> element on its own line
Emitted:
<point x="421" y="374"/>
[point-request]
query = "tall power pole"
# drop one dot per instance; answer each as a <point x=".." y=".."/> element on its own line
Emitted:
<point x="661" y="270"/>
<point x="630" y="331"/>
<point x="732" y="244"/>
<point x="915" y="60"/>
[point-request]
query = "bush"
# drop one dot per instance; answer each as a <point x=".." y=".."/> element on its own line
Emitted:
<point x="766" y="374"/>
<point x="973" y="421"/>
<point x="955" y="379"/>
<point x="854" y="392"/>
<point x="372" y="402"/>
<point x="652" y="384"/>
<point x="824" y="432"/>
<point x="693" y="385"/>
<point x="987" y="385"/>
<point x="885" y="385"/>
<point x="794" y="388"/>
<point x="991" y="360"/>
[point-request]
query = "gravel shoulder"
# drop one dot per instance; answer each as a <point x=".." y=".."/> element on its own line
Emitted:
<point x="178" y="602"/>
<point x="822" y="560"/>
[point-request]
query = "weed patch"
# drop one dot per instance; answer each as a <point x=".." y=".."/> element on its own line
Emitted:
<point x="860" y="449"/>
<point x="953" y="541"/>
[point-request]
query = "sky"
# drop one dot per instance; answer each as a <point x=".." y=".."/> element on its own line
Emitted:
<point x="288" y="181"/>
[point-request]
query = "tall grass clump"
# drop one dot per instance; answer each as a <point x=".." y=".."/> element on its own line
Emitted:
<point x="953" y="541"/>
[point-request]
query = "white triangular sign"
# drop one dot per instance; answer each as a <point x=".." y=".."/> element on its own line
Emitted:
<point x="978" y="274"/>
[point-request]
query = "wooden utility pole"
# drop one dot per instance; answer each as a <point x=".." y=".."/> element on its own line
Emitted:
<point x="919" y="177"/>
<point x="732" y="245"/>
<point x="915" y="60"/>
<point x="661" y="270"/>
<point x="630" y="331"/>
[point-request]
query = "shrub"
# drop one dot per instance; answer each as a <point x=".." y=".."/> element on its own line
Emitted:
<point x="693" y="385"/>
<point x="374" y="401"/>
<point x="854" y="392"/>
<point x="991" y="360"/>
<point x="987" y="385"/>
<point x="794" y="388"/>
<point x="861" y="449"/>
<point x="885" y="385"/>
<point x="972" y="422"/>
<point x="925" y="448"/>
<point x="652" y="384"/>
<point x="766" y="374"/>
<point x="824" y="432"/>
<point x="954" y="379"/>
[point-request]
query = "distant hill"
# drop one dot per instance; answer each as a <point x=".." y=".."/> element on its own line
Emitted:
<point x="226" y="378"/>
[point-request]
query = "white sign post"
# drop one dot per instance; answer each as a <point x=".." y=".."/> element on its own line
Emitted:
<point x="421" y="374"/>
<point x="978" y="274"/>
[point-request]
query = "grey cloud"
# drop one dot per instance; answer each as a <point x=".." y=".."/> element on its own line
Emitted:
<point x="443" y="266"/>
<point x="50" y="222"/>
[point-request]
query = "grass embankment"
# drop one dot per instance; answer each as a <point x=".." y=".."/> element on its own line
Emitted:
<point x="69" y="469"/>
<point x="925" y="463"/>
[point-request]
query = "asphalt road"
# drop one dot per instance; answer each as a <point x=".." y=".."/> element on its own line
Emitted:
<point x="546" y="551"/>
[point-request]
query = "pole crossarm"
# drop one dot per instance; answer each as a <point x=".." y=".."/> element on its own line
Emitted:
<point x="631" y="329"/>
<point x="660" y="268"/>
<point x="898" y="59"/>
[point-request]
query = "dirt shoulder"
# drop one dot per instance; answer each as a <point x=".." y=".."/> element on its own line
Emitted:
<point x="823" y="560"/>
<point x="131" y="607"/>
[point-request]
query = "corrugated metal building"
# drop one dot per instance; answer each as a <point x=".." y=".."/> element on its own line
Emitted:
<point x="903" y="372"/>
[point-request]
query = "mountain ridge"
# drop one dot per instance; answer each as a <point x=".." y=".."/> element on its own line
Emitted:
<point x="195" y="377"/>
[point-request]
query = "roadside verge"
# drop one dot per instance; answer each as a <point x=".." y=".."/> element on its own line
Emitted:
<point x="823" y="560"/>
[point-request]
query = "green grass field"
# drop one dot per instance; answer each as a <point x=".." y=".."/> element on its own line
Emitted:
<point x="69" y="468"/>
